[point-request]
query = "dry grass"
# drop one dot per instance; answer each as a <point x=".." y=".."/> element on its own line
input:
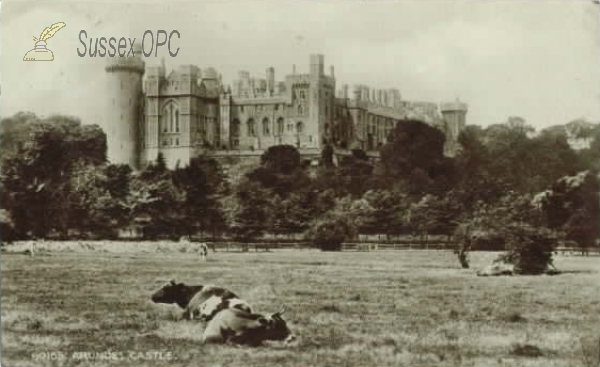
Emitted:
<point x="390" y="308"/>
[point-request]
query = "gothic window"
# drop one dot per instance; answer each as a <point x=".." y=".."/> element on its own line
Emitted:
<point x="176" y="120"/>
<point x="235" y="128"/>
<point x="302" y="95"/>
<point x="300" y="111"/>
<point x="171" y="118"/>
<point x="266" y="130"/>
<point x="280" y="126"/>
<point x="251" y="131"/>
<point x="176" y="141"/>
<point x="299" y="127"/>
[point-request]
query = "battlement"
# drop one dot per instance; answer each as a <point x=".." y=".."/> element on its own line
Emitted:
<point x="454" y="106"/>
<point x="126" y="64"/>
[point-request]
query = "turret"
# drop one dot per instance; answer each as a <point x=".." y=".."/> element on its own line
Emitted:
<point x="270" y="81"/>
<point x="454" y="115"/>
<point x="317" y="65"/>
<point x="122" y="112"/>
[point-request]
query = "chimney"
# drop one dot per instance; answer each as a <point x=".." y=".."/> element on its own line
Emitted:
<point x="345" y="91"/>
<point x="331" y="71"/>
<point x="294" y="69"/>
<point x="357" y="92"/>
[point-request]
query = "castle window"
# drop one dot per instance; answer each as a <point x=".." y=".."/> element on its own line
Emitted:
<point x="164" y="143"/>
<point x="266" y="130"/>
<point x="299" y="127"/>
<point x="241" y="108"/>
<point x="235" y="128"/>
<point x="280" y="126"/>
<point x="300" y="111"/>
<point x="177" y="121"/>
<point x="176" y="141"/>
<point x="302" y="95"/>
<point x="276" y="107"/>
<point x="251" y="131"/>
<point x="170" y="118"/>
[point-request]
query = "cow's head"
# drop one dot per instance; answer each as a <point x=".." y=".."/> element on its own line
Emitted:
<point x="275" y="328"/>
<point x="173" y="292"/>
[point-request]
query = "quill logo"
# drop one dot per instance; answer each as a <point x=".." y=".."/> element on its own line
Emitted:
<point x="40" y="52"/>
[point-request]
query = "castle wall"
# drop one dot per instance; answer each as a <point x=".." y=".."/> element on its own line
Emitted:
<point x="258" y="113"/>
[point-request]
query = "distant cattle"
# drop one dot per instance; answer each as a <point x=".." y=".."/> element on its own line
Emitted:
<point x="367" y="247"/>
<point x="192" y="297"/>
<point x="239" y="327"/>
<point x="203" y="249"/>
<point x="31" y="248"/>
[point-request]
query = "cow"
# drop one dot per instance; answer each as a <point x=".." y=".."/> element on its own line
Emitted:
<point x="246" y="328"/>
<point x="31" y="249"/>
<point x="192" y="297"/>
<point x="203" y="249"/>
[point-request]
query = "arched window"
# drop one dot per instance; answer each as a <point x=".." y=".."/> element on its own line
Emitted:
<point x="235" y="128"/>
<point x="280" y="126"/>
<point x="251" y="131"/>
<point x="299" y="127"/>
<point x="300" y="111"/>
<point x="266" y="129"/>
<point x="171" y="118"/>
<point x="176" y="120"/>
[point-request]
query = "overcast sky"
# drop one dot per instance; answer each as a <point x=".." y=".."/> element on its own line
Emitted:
<point x="539" y="60"/>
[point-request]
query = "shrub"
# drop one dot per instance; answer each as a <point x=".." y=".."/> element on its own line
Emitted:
<point x="529" y="249"/>
<point x="329" y="233"/>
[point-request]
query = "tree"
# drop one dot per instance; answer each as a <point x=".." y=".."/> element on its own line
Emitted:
<point x="202" y="183"/>
<point x="328" y="233"/>
<point x="157" y="204"/>
<point x="528" y="245"/>
<point x="249" y="211"/>
<point x="572" y="206"/>
<point x="35" y="178"/>
<point x="281" y="159"/>
<point x="414" y="155"/>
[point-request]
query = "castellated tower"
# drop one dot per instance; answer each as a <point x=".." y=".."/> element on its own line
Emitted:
<point x="454" y="115"/>
<point x="123" y="109"/>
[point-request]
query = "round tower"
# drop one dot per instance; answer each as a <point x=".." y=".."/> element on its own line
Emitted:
<point x="454" y="115"/>
<point x="124" y="90"/>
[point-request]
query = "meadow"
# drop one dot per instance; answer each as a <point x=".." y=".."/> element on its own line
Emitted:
<point x="385" y="308"/>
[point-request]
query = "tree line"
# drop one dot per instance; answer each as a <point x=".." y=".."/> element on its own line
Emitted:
<point x="56" y="182"/>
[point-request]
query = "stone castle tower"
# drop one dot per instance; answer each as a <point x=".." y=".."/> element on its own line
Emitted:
<point x="454" y="115"/>
<point x="123" y="111"/>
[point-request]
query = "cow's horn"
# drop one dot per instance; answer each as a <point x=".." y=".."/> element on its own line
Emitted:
<point x="281" y="311"/>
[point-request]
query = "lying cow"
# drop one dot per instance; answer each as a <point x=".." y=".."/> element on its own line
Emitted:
<point x="192" y="299"/>
<point x="239" y="327"/>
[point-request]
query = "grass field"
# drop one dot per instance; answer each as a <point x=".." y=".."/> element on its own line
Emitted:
<point x="386" y="308"/>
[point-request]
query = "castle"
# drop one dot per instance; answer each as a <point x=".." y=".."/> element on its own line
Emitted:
<point x="189" y="112"/>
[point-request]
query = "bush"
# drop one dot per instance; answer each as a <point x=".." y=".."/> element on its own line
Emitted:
<point x="329" y="233"/>
<point x="529" y="249"/>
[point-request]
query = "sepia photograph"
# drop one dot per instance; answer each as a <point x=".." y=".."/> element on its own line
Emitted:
<point x="300" y="183"/>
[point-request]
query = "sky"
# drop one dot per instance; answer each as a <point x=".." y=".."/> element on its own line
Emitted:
<point x="539" y="60"/>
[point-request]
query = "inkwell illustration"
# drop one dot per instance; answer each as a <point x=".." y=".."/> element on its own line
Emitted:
<point x="40" y="52"/>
